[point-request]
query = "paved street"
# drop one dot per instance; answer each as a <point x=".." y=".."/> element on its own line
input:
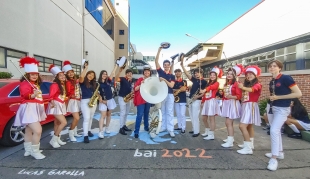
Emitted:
<point x="118" y="156"/>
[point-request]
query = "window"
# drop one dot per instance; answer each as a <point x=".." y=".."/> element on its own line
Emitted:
<point x="109" y="31"/>
<point x="306" y="55"/>
<point x="280" y="51"/>
<point x="15" y="92"/>
<point x="4" y="53"/>
<point x="46" y="62"/>
<point x="287" y="55"/>
<point x="121" y="32"/>
<point x="76" y="68"/>
<point x="121" y="46"/>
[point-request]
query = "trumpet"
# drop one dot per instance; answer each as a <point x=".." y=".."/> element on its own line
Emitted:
<point x="191" y="100"/>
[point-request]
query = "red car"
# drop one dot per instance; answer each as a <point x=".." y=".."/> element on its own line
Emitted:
<point x="9" y="102"/>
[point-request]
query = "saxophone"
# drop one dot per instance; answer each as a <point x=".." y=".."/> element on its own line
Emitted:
<point x="191" y="100"/>
<point x="128" y="97"/>
<point x="93" y="100"/>
<point x="175" y="94"/>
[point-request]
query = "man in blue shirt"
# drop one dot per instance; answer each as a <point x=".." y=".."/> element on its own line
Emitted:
<point x="126" y="88"/>
<point x="194" y="108"/>
<point x="167" y="104"/>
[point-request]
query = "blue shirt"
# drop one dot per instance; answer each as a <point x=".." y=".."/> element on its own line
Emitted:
<point x="105" y="89"/>
<point x="168" y="76"/>
<point x="282" y="84"/>
<point x="196" y="86"/>
<point x="126" y="86"/>
<point x="86" y="92"/>
<point x="182" y="95"/>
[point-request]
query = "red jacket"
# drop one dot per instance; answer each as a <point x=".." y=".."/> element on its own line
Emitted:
<point x="254" y="95"/>
<point x="71" y="89"/>
<point x="26" y="90"/>
<point x="211" y="88"/>
<point x="234" y="91"/>
<point x="138" y="100"/>
<point x="55" y="93"/>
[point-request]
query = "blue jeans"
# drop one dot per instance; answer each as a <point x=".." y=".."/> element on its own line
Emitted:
<point x="142" y="110"/>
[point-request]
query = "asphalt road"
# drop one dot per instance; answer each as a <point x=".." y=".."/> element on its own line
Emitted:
<point x="117" y="156"/>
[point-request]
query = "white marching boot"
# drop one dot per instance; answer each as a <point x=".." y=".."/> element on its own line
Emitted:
<point x="206" y="132"/>
<point x="75" y="133"/>
<point x="54" y="142"/>
<point x="229" y="143"/>
<point x="60" y="142"/>
<point x="225" y="140"/>
<point x="35" y="152"/>
<point x="210" y="136"/>
<point x="27" y="146"/>
<point x="107" y="130"/>
<point x="252" y="144"/>
<point x="246" y="149"/>
<point x="71" y="136"/>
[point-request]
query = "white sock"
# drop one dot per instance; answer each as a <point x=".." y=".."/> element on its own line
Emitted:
<point x="294" y="128"/>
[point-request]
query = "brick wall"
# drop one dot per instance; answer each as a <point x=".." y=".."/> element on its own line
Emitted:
<point x="302" y="80"/>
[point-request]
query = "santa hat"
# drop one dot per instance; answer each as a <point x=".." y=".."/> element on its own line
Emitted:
<point x="239" y="69"/>
<point x="254" y="69"/>
<point x="66" y="66"/>
<point x="30" y="64"/>
<point x="218" y="71"/>
<point x="54" y="69"/>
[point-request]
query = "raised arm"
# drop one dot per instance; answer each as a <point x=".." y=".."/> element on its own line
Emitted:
<point x="171" y="67"/>
<point x="113" y="72"/>
<point x="157" y="58"/>
<point x="82" y="76"/>
<point x="189" y="76"/>
<point x="118" y="74"/>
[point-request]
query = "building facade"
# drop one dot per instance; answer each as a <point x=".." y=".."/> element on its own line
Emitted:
<point x="272" y="29"/>
<point x="52" y="32"/>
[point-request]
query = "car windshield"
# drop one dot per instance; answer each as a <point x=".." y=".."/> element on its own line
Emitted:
<point x="3" y="84"/>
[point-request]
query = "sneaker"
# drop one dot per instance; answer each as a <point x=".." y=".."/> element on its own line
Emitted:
<point x="107" y="130"/>
<point x="183" y="131"/>
<point x="90" y="134"/>
<point x="101" y="135"/>
<point x="171" y="134"/>
<point x="266" y="127"/>
<point x="272" y="164"/>
<point x="281" y="155"/>
<point x="177" y="129"/>
<point x="136" y="135"/>
<point x="126" y="128"/>
<point x="191" y="132"/>
<point x="86" y="140"/>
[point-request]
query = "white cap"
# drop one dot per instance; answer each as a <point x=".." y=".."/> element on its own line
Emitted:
<point x="67" y="67"/>
<point x="54" y="69"/>
<point x="29" y="64"/>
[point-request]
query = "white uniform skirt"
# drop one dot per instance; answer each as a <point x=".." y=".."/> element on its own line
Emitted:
<point x="211" y="108"/>
<point x="109" y="106"/>
<point x="231" y="108"/>
<point x="74" y="105"/>
<point x="304" y="125"/>
<point x="250" y="114"/>
<point x="28" y="113"/>
<point x="58" y="109"/>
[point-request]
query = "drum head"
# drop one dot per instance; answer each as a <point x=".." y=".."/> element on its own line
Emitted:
<point x="165" y="45"/>
<point x="121" y="62"/>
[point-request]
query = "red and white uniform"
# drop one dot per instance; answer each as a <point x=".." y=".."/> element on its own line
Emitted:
<point x="250" y="110"/>
<point x="58" y="100"/>
<point x="74" y="95"/>
<point x="31" y="109"/>
<point x="211" y="106"/>
<point x="231" y="107"/>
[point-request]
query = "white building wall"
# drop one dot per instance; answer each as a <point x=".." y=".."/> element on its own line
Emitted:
<point x="269" y="22"/>
<point x="53" y="29"/>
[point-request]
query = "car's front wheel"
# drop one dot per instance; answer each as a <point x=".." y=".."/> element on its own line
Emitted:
<point x="12" y="135"/>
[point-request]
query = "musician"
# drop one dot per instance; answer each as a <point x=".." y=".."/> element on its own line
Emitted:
<point x="143" y="107"/>
<point x="282" y="89"/>
<point x="32" y="105"/>
<point x="231" y="107"/>
<point x="106" y="101"/>
<point x="211" y="107"/>
<point x="57" y="106"/>
<point x="180" y="106"/>
<point x="88" y="86"/>
<point x="74" y="95"/>
<point x="126" y="88"/>
<point x="250" y="111"/>
<point x="167" y="104"/>
<point x="194" y="108"/>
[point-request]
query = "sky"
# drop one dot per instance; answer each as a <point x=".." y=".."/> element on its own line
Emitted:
<point x="155" y="21"/>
